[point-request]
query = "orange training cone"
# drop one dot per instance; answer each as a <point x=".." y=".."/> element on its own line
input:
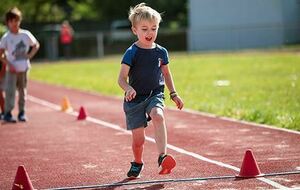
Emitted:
<point x="22" y="180"/>
<point x="82" y="114"/>
<point x="249" y="166"/>
<point x="65" y="105"/>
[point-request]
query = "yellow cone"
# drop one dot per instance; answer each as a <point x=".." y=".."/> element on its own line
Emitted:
<point x="65" y="105"/>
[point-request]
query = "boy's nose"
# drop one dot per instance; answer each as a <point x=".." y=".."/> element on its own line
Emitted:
<point x="149" y="32"/>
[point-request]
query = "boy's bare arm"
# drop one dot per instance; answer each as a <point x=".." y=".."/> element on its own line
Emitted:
<point x="4" y="62"/>
<point x="2" y="56"/>
<point x="130" y="93"/>
<point x="168" y="78"/>
<point x="170" y="84"/>
<point x="33" y="51"/>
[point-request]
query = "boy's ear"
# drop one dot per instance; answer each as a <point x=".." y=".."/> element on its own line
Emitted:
<point x="133" y="29"/>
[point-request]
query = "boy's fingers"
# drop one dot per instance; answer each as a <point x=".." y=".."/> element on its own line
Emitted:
<point x="179" y="104"/>
<point x="127" y="97"/>
<point x="133" y="95"/>
<point x="130" y="96"/>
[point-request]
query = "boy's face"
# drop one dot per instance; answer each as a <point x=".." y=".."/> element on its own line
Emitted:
<point x="146" y="31"/>
<point x="14" y="25"/>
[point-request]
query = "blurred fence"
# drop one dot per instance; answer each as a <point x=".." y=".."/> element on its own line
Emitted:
<point x="98" y="44"/>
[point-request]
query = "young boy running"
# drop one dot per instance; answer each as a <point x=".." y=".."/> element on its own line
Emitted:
<point x="145" y="65"/>
<point x="14" y="52"/>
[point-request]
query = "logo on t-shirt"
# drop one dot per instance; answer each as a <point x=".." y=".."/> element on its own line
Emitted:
<point x="20" y="51"/>
<point x="159" y="62"/>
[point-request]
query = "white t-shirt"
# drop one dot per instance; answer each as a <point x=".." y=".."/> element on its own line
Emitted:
<point x="16" y="47"/>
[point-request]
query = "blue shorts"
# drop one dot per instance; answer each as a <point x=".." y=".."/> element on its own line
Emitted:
<point x="137" y="113"/>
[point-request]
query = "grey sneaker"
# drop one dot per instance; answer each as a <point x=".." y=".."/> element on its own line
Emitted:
<point x="22" y="116"/>
<point x="9" y="118"/>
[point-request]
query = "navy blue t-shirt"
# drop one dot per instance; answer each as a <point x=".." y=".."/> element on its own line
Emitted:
<point x="145" y="73"/>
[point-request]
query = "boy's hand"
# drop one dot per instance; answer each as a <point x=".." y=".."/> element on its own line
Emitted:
<point x="28" y="56"/>
<point x="2" y="70"/>
<point x="178" y="101"/>
<point x="130" y="94"/>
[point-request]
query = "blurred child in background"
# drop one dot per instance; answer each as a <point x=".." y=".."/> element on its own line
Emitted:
<point x="66" y="38"/>
<point x="14" y="53"/>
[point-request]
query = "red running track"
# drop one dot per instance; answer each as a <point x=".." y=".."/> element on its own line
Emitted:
<point x="59" y="151"/>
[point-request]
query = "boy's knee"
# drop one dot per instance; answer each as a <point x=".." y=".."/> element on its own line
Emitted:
<point x="157" y="115"/>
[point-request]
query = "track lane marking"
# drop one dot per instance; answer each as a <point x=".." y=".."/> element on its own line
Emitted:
<point x="172" y="147"/>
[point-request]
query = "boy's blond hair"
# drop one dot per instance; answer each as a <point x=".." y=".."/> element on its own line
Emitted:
<point x="143" y="12"/>
<point x="13" y="13"/>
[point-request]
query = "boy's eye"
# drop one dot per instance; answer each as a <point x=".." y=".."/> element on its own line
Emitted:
<point x="144" y="29"/>
<point x="153" y="29"/>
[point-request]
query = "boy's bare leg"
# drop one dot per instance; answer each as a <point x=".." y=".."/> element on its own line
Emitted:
<point x="138" y="140"/>
<point x="165" y="162"/>
<point x="157" y="115"/>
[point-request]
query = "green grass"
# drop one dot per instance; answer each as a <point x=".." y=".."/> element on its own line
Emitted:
<point x="264" y="86"/>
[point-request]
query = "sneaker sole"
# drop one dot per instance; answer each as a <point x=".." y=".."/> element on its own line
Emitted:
<point x="133" y="177"/>
<point x="6" y="121"/>
<point x="167" y="165"/>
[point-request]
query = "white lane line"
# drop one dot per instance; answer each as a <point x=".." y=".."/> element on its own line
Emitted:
<point x="189" y="111"/>
<point x="172" y="147"/>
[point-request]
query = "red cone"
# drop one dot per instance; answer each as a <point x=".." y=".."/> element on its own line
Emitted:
<point x="249" y="166"/>
<point x="82" y="114"/>
<point x="22" y="180"/>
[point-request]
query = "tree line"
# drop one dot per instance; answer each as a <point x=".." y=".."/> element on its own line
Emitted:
<point x="39" y="11"/>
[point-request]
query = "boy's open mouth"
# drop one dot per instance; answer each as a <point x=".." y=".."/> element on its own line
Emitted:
<point x="148" y="38"/>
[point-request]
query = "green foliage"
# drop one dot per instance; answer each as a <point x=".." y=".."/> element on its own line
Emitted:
<point x="103" y="10"/>
<point x="257" y="87"/>
<point x="36" y="11"/>
<point x="172" y="10"/>
<point x="2" y="29"/>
